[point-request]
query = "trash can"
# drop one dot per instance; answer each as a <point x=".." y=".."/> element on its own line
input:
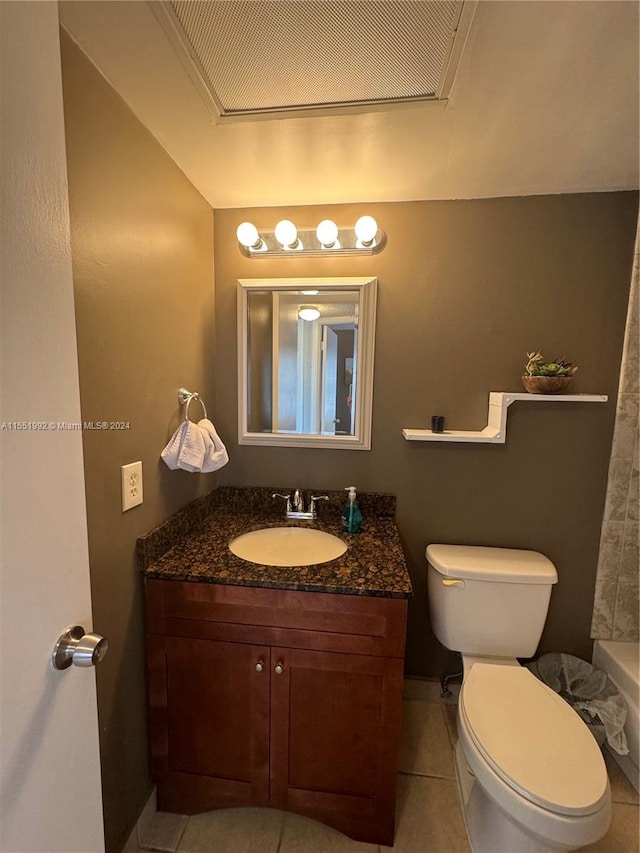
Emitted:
<point x="590" y="693"/>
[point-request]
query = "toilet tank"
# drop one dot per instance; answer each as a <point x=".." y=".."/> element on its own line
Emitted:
<point x="489" y="601"/>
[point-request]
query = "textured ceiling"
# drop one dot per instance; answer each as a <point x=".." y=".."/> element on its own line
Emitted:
<point x="545" y="100"/>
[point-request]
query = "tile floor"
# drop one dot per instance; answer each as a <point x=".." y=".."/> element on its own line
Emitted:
<point x="428" y="816"/>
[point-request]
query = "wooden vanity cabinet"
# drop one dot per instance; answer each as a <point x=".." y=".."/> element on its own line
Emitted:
<point x="278" y="698"/>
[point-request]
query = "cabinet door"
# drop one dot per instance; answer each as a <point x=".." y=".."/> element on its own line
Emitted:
<point x="209" y="723"/>
<point x="335" y="725"/>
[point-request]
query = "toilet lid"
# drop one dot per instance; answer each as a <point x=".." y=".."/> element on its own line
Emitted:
<point x="533" y="739"/>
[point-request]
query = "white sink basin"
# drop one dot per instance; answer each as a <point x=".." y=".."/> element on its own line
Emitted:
<point x="287" y="546"/>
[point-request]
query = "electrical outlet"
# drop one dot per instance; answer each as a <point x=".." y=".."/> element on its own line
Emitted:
<point x="131" y="485"/>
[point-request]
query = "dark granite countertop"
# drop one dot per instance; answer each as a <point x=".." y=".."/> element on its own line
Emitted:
<point x="193" y="545"/>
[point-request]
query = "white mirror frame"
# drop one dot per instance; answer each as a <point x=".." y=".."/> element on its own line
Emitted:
<point x="367" y="291"/>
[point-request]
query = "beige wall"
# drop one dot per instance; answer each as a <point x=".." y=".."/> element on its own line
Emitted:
<point x="465" y="289"/>
<point x="143" y="278"/>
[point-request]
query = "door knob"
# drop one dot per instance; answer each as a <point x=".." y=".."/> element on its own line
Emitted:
<point x="74" y="646"/>
<point x="279" y="668"/>
<point x="260" y="665"/>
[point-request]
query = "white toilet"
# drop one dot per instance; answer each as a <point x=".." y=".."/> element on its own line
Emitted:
<point x="531" y="775"/>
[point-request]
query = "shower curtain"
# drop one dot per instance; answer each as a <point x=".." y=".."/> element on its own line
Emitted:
<point x="616" y="605"/>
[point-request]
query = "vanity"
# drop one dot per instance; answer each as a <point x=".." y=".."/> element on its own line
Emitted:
<point x="276" y="686"/>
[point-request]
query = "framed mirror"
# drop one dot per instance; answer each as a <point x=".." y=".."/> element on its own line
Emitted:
<point x="305" y="361"/>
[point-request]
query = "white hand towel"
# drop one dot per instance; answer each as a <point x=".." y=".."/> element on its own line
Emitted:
<point x="192" y="450"/>
<point x="216" y="453"/>
<point x="185" y="449"/>
<point x="172" y="449"/>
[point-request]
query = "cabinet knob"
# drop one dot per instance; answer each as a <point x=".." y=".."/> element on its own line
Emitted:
<point x="279" y="668"/>
<point x="260" y="665"/>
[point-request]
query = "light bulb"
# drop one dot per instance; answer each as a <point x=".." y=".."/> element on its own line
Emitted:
<point x="309" y="292"/>
<point x="366" y="229"/>
<point x="308" y="313"/>
<point x="327" y="233"/>
<point x="248" y="236"/>
<point x="286" y="234"/>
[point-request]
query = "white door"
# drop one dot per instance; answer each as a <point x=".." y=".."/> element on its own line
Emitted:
<point x="49" y="757"/>
<point x="329" y="379"/>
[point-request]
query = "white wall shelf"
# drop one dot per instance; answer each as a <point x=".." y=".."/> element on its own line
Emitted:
<point x="495" y="431"/>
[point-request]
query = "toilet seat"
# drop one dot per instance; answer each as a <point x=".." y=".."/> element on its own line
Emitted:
<point x="533" y="740"/>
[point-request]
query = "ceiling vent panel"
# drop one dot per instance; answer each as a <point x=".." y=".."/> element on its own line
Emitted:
<point x="277" y="56"/>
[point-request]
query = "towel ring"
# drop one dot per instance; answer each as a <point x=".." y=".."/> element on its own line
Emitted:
<point x="185" y="397"/>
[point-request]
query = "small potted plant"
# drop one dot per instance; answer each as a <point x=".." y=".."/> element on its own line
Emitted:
<point x="547" y="377"/>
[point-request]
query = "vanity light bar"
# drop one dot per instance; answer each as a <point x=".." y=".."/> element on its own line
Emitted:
<point x="327" y="239"/>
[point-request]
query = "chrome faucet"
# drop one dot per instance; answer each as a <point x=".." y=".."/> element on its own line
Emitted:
<point x="296" y="509"/>
<point x="287" y="498"/>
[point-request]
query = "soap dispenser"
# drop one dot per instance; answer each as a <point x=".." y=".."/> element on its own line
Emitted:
<point x="351" y="515"/>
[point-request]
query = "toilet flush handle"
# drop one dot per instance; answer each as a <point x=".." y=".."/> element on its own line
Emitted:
<point x="452" y="582"/>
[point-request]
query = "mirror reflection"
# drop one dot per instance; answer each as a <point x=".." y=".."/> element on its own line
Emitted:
<point x="310" y="341"/>
<point x="306" y="352"/>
